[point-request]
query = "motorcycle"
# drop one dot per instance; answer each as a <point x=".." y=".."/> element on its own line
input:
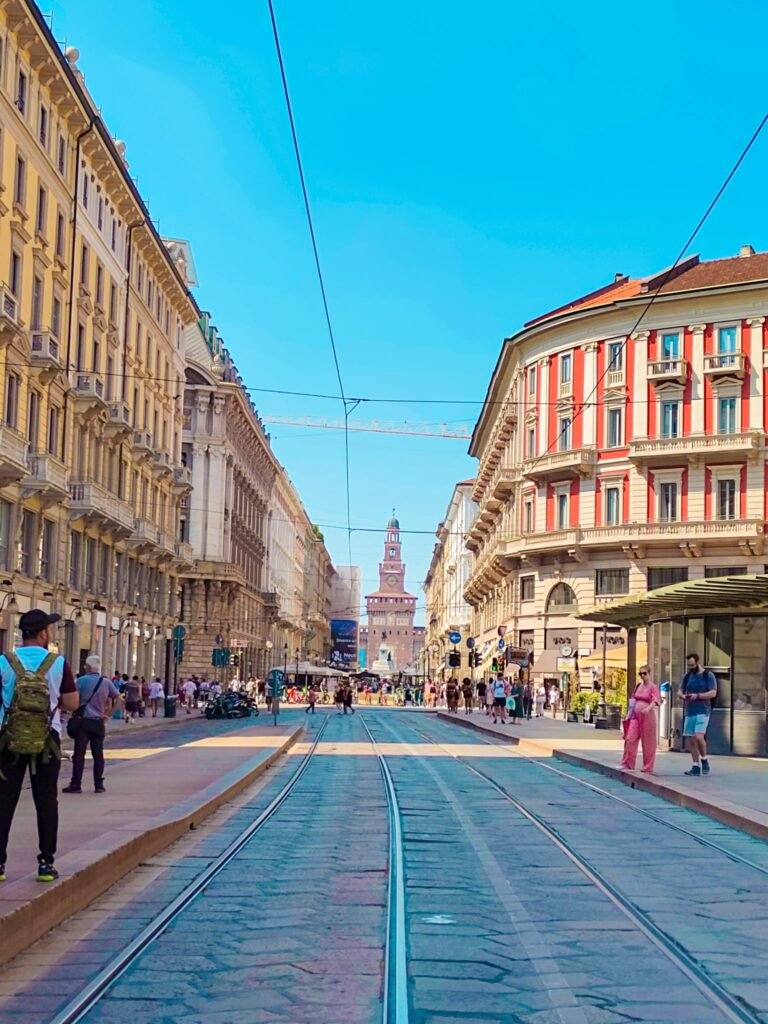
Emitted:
<point x="231" y="705"/>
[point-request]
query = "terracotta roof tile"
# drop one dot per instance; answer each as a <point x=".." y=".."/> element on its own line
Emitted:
<point x="711" y="273"/>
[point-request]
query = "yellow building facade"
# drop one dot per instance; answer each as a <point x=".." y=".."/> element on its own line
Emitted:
<point x="93" y="311"/>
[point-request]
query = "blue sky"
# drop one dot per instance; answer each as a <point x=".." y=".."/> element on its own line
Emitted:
<point x="469" y="168"/>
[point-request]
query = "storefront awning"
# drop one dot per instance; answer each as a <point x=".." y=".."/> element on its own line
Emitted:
<point x="546" y="664"/>
<point x="719" y="593"/>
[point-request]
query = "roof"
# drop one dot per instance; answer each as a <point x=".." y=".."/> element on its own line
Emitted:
<point x="711" y="273"/>
<point x="390" y="593"/>
<point x="621" y="288"/>
<point x="731" y="593"/>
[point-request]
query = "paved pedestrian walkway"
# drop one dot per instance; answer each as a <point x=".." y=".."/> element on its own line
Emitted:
<point x="162" y="787"/>
<point x="736" y="792"/>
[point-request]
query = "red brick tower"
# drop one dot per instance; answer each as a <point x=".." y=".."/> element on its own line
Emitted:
<point x="391" y="608"/>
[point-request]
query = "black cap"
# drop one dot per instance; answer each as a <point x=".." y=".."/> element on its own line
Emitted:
<point x="36" y="620"/>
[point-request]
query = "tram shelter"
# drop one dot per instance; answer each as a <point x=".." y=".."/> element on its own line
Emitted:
<point x="725" y="621"/>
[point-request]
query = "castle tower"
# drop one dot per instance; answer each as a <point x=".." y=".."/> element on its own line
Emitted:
<point x="391" y="608"/>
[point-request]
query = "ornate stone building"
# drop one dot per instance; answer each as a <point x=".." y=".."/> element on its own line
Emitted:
<point x="225" y="520"/>
<point x="391" y="609"/>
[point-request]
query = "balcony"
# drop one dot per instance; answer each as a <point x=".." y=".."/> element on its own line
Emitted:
<point x="747" y="534"/>
<point x="710" y="448"/>
<point x="145" y="535"/>
<point x="725" y="364"/>
<point x="47" y="478"/>
<point x="10" y="329"/>
<point x="615" y="378"/>
<point x="88" y="391"/>
<point x="541" y="543"/>
<point x="97" y="505"/>
<point x="162" y="465"/>
<point x="166" y="542"/>
<point x="45" y="360"/>
<point x="560" y="465"/>
<point x="182" y="480"/>
<point x="142" y="444"/>
<point x="118" y="426"/>
<point x="184" y="552"/>
<point x="13" y="456"/>
<point x="667" y="371"/>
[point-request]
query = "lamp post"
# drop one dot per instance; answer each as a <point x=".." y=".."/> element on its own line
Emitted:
<point x="600" y="722"/>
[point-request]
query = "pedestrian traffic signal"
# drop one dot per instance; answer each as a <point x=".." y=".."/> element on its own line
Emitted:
<point x="454" y="659"/>
<point x="494" y="665"/>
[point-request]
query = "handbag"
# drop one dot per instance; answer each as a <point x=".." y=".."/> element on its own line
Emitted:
<point x="75" y="721"/>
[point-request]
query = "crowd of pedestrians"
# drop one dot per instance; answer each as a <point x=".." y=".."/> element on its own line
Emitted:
<point x="502" y="699"/>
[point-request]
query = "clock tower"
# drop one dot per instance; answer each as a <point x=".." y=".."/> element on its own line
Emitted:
<point x="391" y="609"/>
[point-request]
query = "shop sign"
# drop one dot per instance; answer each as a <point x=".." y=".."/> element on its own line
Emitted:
<point x="614" y="637"/>
<point x="554" y="639"/>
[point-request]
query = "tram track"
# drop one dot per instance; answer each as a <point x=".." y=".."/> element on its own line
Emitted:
<point x="89" y="996"/>
<point x="732" y="1008"/>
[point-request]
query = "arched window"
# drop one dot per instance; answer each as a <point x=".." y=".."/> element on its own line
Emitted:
<point x="561" y="599"/>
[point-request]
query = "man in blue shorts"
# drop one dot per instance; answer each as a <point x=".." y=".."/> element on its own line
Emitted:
<point x="698" y="692"/>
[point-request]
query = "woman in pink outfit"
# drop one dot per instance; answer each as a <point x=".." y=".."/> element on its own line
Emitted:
<point x="643" y="725"/>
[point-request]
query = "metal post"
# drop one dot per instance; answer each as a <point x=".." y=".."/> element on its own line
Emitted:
<point x="600" y="719"/>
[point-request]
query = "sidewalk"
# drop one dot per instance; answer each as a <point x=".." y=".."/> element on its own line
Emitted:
<point x="159" y="792"/>
<point x="736" y="793"/>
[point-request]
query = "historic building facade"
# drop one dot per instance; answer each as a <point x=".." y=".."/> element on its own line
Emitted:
<point x="225" y="522"/>
<point x="390" y="611"/>
<point x="447" y="577"/>
<point x="615" y="459"/>
<point x="92" y="311"/>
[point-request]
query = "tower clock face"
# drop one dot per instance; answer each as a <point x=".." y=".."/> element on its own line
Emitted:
<point x="392" y="581"/>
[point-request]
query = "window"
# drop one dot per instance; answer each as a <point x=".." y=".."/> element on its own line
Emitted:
<point x="113" y="303"/>
<point x="12" y="386"/>
<point x="726" y="499"/>
<point x="616" y="355"/>
<point x="33" y="420"/>
<point x="99" y="284"/>
<point x="42" y="205"/>
<point x="609" y="582"/>
<point x="56" y="317"/>
<point x="563" y="521"/>
<point x="528" y="515"/>
<point x="612" y="506"/>
<point x="726" y="415"/>
<point x="85" y="191"/>
<point x="726" y="340"/>
<point x="47" y="550"/>
<point x="5" y="534"/>
<point x="665" y="576"/>
<point x="712" y="571"/>
<point x="21" y="92"/>
<point x="53" y="430"/>
<point x="565" y="368"/>
<point x="100" y="214"/>
<point x="61" y="155"/>
<point x="75" y="551"/>
<point x="90" y="563"/>
<point x="562" y="598"/>
<point x="670" y="346"/>
<point x="138" y="340"/>
<point x="114" y="235"/>
<point x="531" y="380"/>
<point x="60" y="235"/>
<point x="565" y="433"/>
<point x="84" y="258"/>
<point x="37" y="301"/>
<point x="668" y="502"/>
<point x="527" y="588"/>
<point x="42" y="127"/>
<point x="104" y="560"/>
<point x="615" y="434"/>
<point x="531" y="442"/>
<point x="80" y="349"/>
<point x="15" y="275"/>
<point x="20" y="181"/>
<point x="28" y="533"/>
<point x="669" y="419"/>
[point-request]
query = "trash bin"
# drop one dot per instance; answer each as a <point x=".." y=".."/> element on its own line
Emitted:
<point x="613" y="715"/>
<point x="170" y="706"/>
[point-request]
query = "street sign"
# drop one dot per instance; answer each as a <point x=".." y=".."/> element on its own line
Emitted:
<point x="454" y="636"/>
<point x="220" y="657"/>
<point x="239" y="643"/>
<point x="470" y="642"/>
<point x="501" y="645"/>
<point x="179" y="632"/>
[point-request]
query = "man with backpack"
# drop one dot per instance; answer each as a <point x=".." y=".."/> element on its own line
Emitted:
<point x="35" y="685"/>
<point x="698" y="692"/>
<point x="98" y="697"/>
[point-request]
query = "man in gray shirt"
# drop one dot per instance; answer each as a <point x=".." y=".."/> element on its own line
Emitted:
<point x="98" y="697"/>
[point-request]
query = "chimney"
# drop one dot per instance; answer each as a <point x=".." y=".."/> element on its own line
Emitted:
<point x="617" y="278"/>
<point x="746" y="250"/>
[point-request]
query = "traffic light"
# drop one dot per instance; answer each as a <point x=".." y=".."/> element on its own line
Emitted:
<point x="494" y="664"/>
<point x="234" y="659"/>
<point x="454" y="659"/>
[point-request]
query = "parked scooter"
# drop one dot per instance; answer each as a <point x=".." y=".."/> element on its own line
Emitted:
<point x="231" y="705"/>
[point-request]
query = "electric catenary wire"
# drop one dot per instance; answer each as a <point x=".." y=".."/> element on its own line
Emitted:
<point x="349" y="404"/>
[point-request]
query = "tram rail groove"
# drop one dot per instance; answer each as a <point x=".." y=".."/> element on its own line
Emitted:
<point x="89" y="996"/>
<point x="395" y="1002"/>
<point x="737" y="858"/>
<point x="733" y="1009"/>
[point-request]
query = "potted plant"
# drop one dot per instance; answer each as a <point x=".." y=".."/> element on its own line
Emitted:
<point x="578" y="703"/>
<point x="583" y="700"/>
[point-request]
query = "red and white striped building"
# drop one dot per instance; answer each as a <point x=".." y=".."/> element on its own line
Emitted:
<point x="615" y="459"/>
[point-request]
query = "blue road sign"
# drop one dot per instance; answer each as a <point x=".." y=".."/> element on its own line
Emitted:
<point x="454" y="636"/>
<point x="501" y="645"/>
<point x="470" y="642"/>
<point x="179" y="632"/>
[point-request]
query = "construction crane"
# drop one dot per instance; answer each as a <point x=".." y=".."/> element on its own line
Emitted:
<point x="460" y="433"/>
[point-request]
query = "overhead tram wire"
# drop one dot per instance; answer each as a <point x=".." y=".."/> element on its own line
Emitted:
<point x="686" y="246"/>
<point x="348" y="404"/>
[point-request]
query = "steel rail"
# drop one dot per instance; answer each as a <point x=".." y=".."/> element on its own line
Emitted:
<point x="395" y="1002"/>
<point x="733" y="1009"/>
<point x="89" y="996"/>
<point x="708" y="843"/>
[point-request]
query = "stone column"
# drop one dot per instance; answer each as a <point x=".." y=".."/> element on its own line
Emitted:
<point x="639" y="426"/>
<point x="697" y="379"/>
<point x="543" y="407"/>
<point x="754" y="348"/>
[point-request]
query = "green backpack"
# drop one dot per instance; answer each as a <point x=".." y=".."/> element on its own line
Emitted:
<point x="26" y="728"/>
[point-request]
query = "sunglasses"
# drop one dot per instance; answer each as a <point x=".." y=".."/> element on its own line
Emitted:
<point x="643" y="673"/>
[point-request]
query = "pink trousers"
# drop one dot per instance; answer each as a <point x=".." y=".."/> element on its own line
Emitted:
<point x="642" y="729"/>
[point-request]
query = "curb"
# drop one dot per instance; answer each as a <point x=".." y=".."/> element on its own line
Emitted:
<point x="28" y="910"/>
<point x="728" y="815"/>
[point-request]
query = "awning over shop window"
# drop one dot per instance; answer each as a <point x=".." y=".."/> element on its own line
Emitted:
<point x="695" y="597"/>
<point x="546" y="664"/>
